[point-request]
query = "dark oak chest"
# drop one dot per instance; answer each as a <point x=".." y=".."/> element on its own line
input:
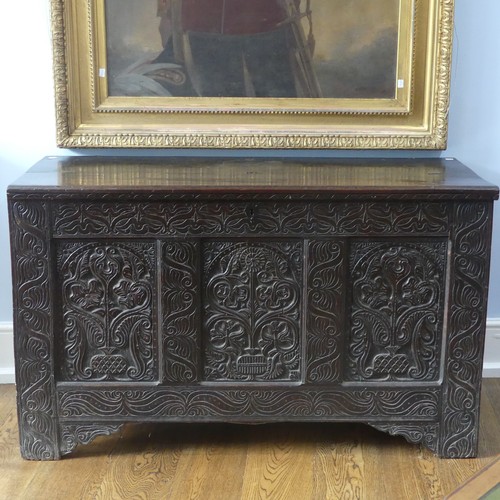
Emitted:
<point x="249" y="291"/>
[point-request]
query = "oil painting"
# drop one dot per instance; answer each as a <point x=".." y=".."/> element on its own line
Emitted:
<point x="259" y="74"/>
<point x="340" y="49"/>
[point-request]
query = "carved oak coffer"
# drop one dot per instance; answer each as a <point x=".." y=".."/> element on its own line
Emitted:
<point x="249" y="291"/>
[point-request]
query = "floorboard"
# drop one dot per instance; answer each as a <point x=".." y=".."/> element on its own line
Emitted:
<point x="226" y="462"/>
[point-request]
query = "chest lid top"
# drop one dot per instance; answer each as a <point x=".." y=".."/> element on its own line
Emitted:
<point x="403" y="178"/>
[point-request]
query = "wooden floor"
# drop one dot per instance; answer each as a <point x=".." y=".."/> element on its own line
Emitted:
<point x="282" y="461"/>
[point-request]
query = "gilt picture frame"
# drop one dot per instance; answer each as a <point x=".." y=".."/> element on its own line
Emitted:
<point x="286" y="74"/>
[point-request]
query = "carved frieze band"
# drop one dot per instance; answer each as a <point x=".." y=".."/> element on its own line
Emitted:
<point x="218" y="403"/>
<point x="34" y="331"/>
<point x="326" y="310"/>
<point x="107" y="301"/>
<point x="396" y="313"/>
<point x="467" y="322"/>
<point x="252" y="310"/>
<point x="181" y="310"/>
<point x="240" y="219"/>
<point x="89" y="194"/>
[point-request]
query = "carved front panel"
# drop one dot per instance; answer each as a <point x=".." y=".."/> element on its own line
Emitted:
<point x="397" y="309"/>
<point x="107" y="300"/>
<point x="252" y="310"/>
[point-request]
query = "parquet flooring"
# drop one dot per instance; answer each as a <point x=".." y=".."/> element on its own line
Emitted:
<point x="226" y="462"/>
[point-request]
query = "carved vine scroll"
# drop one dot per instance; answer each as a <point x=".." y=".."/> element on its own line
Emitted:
<point x="462" y="385"/>
<point x="34" y="331"/>
<point x="252" y="310"/>
<point x="107" y="299"/>
<point x="397" y="307"/>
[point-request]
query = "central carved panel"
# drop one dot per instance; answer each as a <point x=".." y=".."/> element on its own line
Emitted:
<point x="107" y="302"/>
<point x="252" y="310"/>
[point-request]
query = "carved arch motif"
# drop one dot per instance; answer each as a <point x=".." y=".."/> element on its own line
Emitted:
<point x="107" y="302"/>
<point x="396" y="315"/>
<point x="252" y="310"/>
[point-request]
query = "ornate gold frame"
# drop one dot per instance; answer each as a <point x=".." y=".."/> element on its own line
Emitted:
<point x="88" y="118"/>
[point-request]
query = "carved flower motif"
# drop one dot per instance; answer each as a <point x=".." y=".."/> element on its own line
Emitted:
<point x="416" y="292"/>
<point x="130" y="294"/>
<point x="86" y="295"/>
<point x="283" y="293"/>
<point x="105" y="262"/>
<point x="280" y="295"/>
<point x="376" y="293"/>
<point x="264" y="293"/>
<point x="226" y="334"/>
<point x="253" y="259"/>
<point x="232" y="296"/>
<point x="277" y="335"/>
<point x="221" y="290"/>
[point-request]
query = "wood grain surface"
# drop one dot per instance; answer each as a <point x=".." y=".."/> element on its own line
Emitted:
<point x="226" y="462"/>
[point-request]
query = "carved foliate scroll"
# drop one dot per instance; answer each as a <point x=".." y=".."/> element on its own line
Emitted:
<point x="202" y="219"/>
<point x="75" y="434"/>
<point x="414" y="432"/>
<point x="326" y="285"/>
<point x="34" y="340"/>
<point x="467" y="323"/>
<point x="220" y="403"/>
<point x="107" y="302"/>
<point x="252" y="310"/>
<point x="396" y="313"/>
<point x="180" y="297"/>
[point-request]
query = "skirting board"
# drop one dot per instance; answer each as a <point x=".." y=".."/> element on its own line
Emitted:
<point x="491" y="367"/>
<point x="6" y="353"/>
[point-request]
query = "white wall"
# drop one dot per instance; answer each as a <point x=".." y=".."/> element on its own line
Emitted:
<point x="27" y="125"/>
<point x="27" y="120"/>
